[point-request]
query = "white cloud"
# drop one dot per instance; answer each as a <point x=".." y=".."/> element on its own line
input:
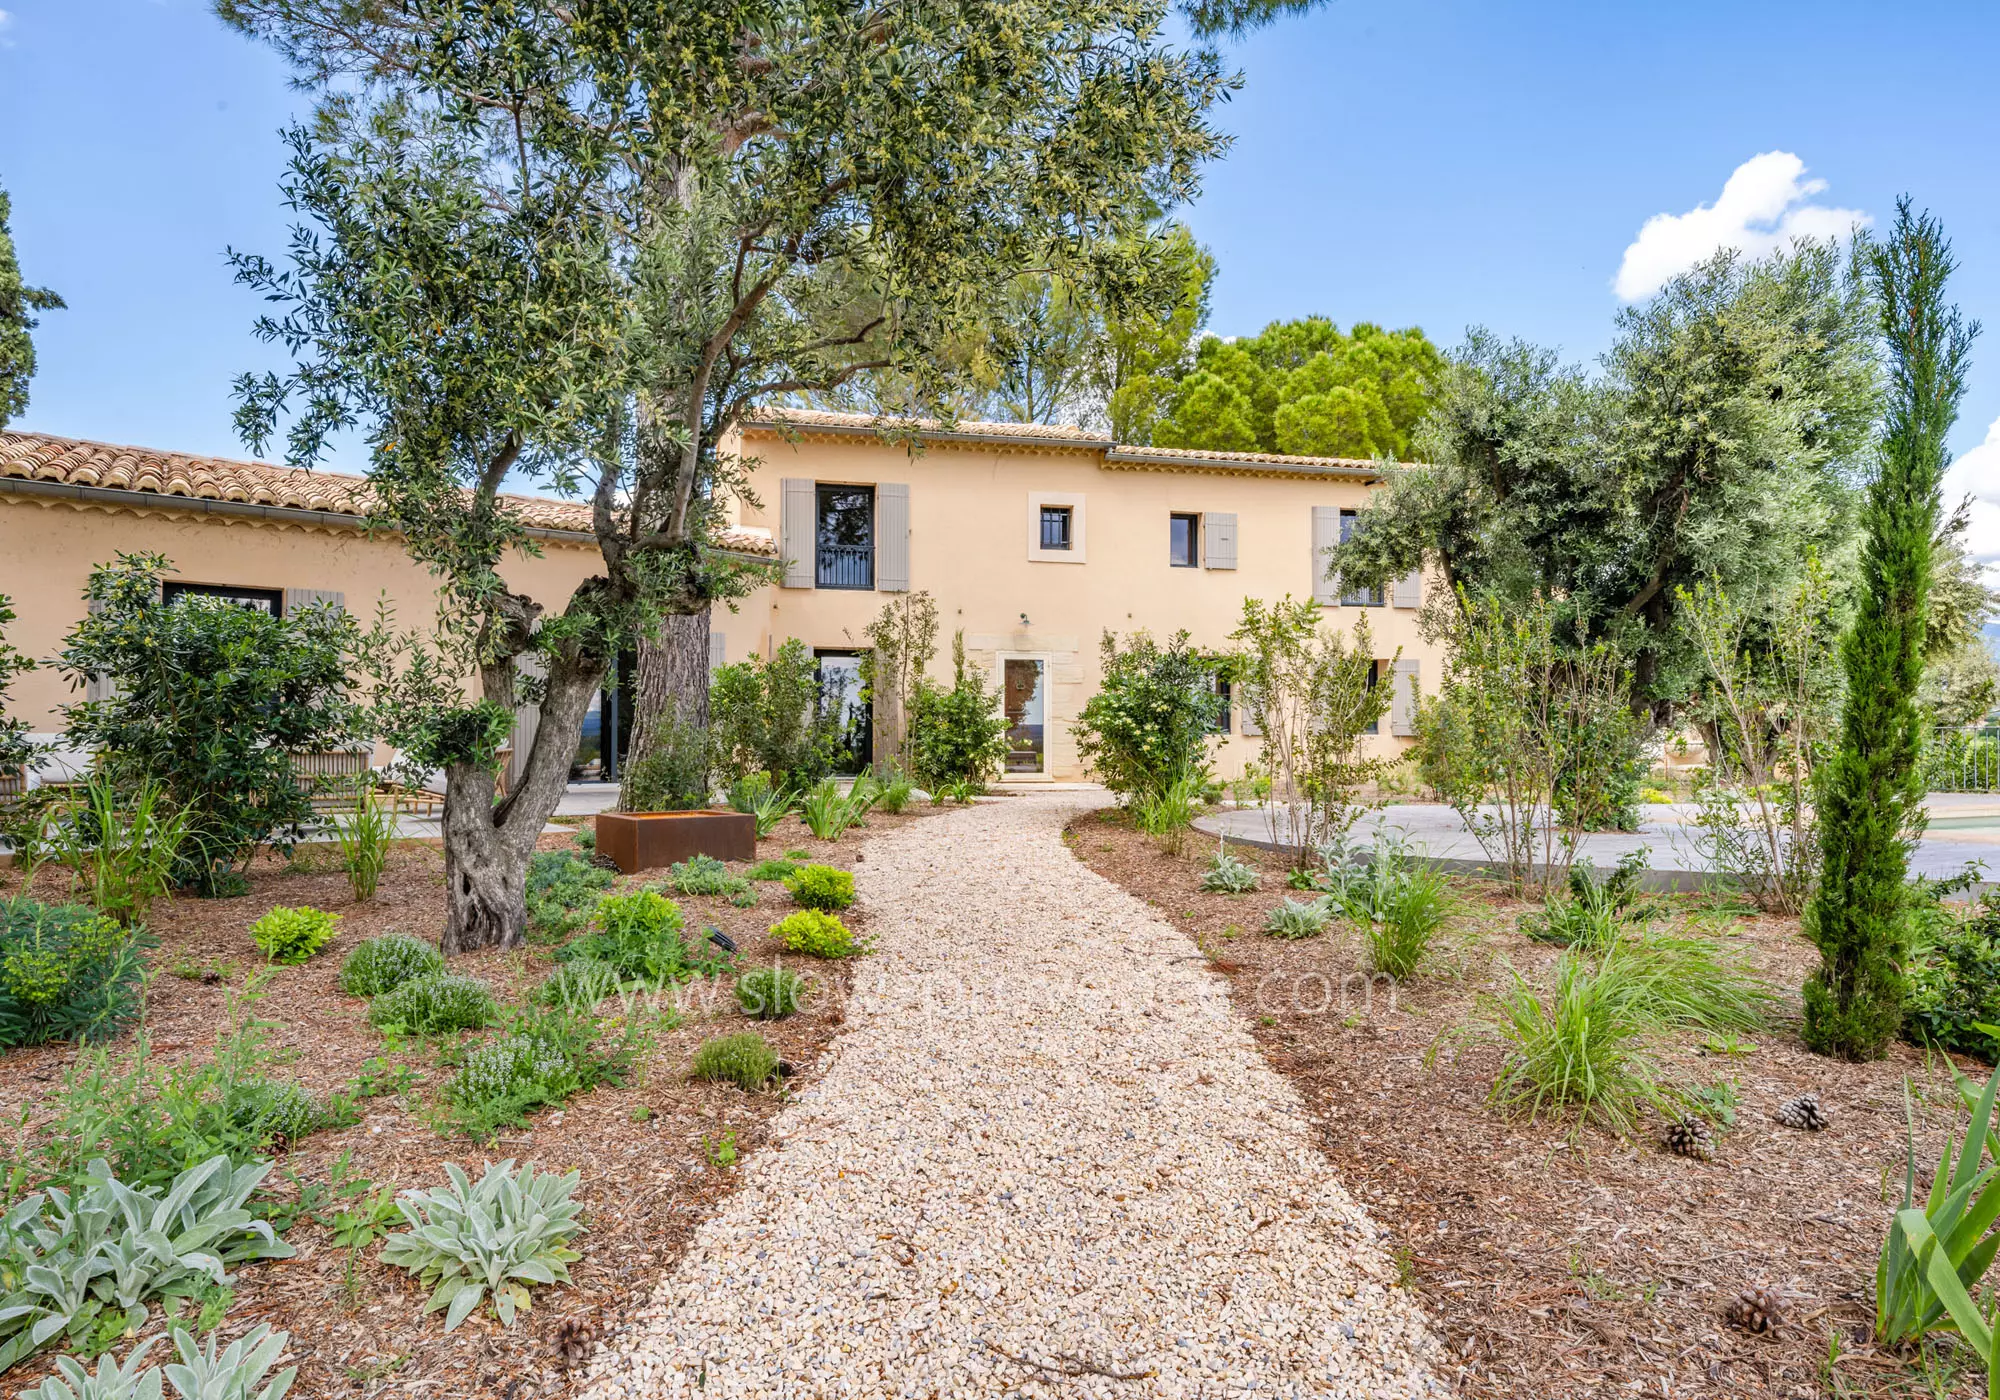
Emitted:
<point x="1765" y="204"/>
<point x="6" y="23"/>
<point x="1977" y="474"/>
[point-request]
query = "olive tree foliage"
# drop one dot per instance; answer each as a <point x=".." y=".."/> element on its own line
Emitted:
<point x="1528" y="735"/>
<point x="1315" y="697"/>
<point x="1721" y="442"/>
<point x="1768" y="699"/>
<point x="579" y="243"/>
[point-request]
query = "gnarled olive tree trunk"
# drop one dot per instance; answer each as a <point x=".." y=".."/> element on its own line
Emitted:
<point x="487" y="844"/>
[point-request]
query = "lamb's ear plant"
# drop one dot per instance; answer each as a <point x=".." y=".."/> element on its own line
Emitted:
<point x="492" y="1241"/>
<point x="1228" y="873"/>
<point x="1935" y="1257"/>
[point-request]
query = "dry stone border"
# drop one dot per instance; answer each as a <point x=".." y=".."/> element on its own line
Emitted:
<point x="1046" y="1160"/>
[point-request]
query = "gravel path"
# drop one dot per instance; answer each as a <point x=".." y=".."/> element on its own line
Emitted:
<point x="1046" y="1160"/>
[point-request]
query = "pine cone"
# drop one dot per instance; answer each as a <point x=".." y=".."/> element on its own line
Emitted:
<point x="1757" y="1309"/>
<point x="602" y="861"/>
<point x="1690" y="1137"/>
<point x="1803" y="1113"/>
<point x="572" y="1341"/>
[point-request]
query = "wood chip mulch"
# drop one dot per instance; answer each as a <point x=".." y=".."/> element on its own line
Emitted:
<point x="1559" y="1265"/>
<point x="646" y="1151"/>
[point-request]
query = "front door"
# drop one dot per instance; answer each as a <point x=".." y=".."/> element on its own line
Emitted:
<point x="1024" y="696"/>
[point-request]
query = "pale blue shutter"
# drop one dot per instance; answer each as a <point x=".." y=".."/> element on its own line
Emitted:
<point x="892" y="537"/>
<point x="1326" y="534"/>
<point x="798" y="530"/>
<point x="1218" y="540"/>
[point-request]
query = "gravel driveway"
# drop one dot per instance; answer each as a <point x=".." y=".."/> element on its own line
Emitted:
<point x="1046" y="1160"/>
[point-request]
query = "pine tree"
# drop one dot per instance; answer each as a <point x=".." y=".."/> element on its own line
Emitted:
<point x="1871" y="802"/>
<point x="17" y="300"/>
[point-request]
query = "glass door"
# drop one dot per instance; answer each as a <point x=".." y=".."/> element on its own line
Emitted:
<point x="1023" y="695"/>
<point x="840" y="697"/>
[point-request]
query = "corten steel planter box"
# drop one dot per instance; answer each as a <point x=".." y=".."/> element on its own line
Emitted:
<point x="651" y="840"/>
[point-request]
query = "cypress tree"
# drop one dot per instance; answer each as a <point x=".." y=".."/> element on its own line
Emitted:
<point x="1870" y="807"/>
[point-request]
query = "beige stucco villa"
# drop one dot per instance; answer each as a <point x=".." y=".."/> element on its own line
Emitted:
<point x="1034" y="540"/>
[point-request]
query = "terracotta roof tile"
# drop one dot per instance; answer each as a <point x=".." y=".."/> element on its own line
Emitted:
<point x="72" y="462"/>
<point x="810" y="419"/>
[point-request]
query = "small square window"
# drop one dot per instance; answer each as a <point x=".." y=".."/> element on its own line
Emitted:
<point x="1183" y="531"/>
<point x="1055" y="527"/>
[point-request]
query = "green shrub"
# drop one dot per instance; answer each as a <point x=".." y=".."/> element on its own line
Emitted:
<point x="770" y="870"/>
<point x="1150" y="722"/>
<point x="769" y="993"/>
<point x="766" y="717"/>
<point x="579" y="984"/>
<point x="894" y="794"/>
<point x="1229" y="873"/>
<point x="585" y="838"/>
<point x="66" y="973"/>
<point x="470" y="1244"/>
<point x="539" y="1065"/>
<point x="957" y="735"/>
<point x="280" y="1112"/>
<point x="672" y="775"/>
<point x="705" y="875"/>
<point x="641" y="935"/>
<point x="816" y="933"/>
<point x="562" y="889"/>
<point x="1168" y="813"/>
<point x="291" y="936"/>
<point x="1295" y="920"/>
<point x="745" y="1060"/>
<point x="435" y="1004"/>
<point x="821" y="887"/>
<point x="210" y="700"/>
<point x="382" y="964"/>
<point x="1955" y="984"/>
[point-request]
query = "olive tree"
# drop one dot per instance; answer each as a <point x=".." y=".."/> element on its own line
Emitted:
<point x="577" y="244"/>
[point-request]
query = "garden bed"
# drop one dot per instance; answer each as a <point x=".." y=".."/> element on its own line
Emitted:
<point x="648" y="1151"/>
<point x="1555" y="1267"/>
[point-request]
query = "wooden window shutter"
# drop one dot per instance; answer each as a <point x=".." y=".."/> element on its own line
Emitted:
<point x="1218" y="546"/>
<point x="1403" y="699"/>
<point x="892" y="537"/>
<point x="1408" y="591"/>
<point x="1326" y="534"/>
<point x="798" y="528"/>
<point x="1252" y="706"/>
<point x="300" y="598"/>
<point x="718" y="651"/>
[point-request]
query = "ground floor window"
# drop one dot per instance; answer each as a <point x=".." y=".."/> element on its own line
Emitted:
<point x="270" y="600"/>
<point x="606" y="736"/>
<point x="840" y="696"/>
<point x="1024" y="696"/>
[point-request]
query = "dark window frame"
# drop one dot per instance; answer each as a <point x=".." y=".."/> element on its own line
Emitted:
<point x="843" y="566"/>
<point x="1064" y="518"/>
<point x="173" y="590"/>
<point x="1224" y="721"/>
<point x="1357" y="597"/>
<point x="1193" y="519"/>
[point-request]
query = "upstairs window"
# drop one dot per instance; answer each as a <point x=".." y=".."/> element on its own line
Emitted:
<point x="1182" y="533"/>
<point x="1055" y="527"/>
<point x="845" y="542"/>
<point x="1356" y="597"/>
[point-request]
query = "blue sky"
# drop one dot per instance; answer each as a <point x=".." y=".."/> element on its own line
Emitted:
<point x="1439" y="163"/>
